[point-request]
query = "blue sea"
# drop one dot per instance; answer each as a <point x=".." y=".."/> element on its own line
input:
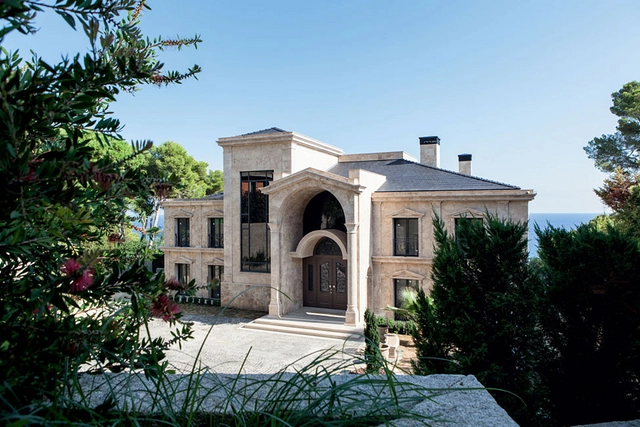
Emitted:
<point x="558" y="220"/>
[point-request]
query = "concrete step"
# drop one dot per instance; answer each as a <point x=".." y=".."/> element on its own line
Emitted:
<point x="305" y="327"/>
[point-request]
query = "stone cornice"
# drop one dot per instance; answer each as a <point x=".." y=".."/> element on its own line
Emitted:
<point x="307" y="175"/>
<point x="401" y="260"/>
<point x="190" y="249"/>
<point x="462" y="195"/>
<point x="191" y="202"/>
<point x="283" y="137"/>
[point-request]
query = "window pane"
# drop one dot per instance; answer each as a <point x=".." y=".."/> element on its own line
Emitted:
<point x="216" y="232"/>
<point x="341" y="278"/>
<point x="401" y="287"/>
<point x="182" y="273"/>
<point x="182" y="232"/>
<point x="215" y="277"/>
<point x="405" y="237"/>
<point x="254" y="207"/>
<point x="324" y="277"/>
<point x="327" y="246"/>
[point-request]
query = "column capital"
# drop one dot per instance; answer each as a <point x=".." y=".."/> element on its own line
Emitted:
<point x="352" y="227"/>
<point x="274" y="227"/>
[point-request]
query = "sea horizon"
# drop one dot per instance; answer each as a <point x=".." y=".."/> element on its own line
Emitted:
<point x="568" y="221"/>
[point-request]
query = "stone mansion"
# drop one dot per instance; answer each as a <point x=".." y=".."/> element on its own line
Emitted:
<point x="303" y="224"/>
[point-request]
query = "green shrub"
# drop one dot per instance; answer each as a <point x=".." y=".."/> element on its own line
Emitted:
<point x="63" y="207"/>
<point x="591" y="323"/>
<point x="372" y="355"/>
<point x="480" y="318"/>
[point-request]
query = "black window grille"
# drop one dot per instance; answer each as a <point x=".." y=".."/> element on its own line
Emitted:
<point x="216" y="232"/>
<point x="255" y="251"/>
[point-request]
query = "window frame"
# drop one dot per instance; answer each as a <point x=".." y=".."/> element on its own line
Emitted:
<point x="215" y="271"/>
<point x="183" y="241"/>
<point x="253" y="181"/>
<point x="182" y="278"/>
<point x="216" y="232"/>
<point x="407" y="237"/>
<point x="415" y="285"/>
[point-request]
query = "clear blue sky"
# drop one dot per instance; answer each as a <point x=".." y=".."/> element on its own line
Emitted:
<point x="521" y="85"/>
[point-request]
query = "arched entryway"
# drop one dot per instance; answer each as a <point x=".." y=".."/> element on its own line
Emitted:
<point x="325" y="277"/>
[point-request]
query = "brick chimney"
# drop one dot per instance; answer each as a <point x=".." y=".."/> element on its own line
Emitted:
<point x="430" y="151"/>
<point x="464" y="164"/>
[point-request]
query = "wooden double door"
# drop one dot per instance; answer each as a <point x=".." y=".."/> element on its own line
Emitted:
<point x="325" y="282"/>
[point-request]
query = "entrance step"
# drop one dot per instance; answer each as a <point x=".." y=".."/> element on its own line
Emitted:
<point x="310" y="322"/>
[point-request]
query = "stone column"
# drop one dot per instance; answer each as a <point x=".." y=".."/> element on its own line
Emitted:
<point x="352" y="314"/>
<point x="274" y="305"/>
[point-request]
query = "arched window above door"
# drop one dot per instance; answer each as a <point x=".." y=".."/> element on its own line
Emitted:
<point x="327" y="246"/>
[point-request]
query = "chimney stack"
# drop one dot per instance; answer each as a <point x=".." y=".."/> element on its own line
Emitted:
<point x="464" y="164"/>
<point x="430" y="151"/>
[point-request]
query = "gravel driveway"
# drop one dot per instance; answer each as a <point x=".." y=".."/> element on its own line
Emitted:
<point x="231" y="349"/>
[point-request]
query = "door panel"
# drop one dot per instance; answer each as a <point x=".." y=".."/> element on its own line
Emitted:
<point x="310" y="283"/>
<point x="325" y="282"/>
<point x="340" y="289"/>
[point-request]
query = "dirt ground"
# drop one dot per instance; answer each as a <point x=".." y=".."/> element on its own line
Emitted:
<point x="408" y="352"/>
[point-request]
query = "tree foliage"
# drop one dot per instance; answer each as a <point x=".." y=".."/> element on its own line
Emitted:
<point x="591" y="323"/>
<point x="478" y="320"/>
<point x="170" y="163"/>
<point x="620" y="150"/>
<point x="60" y="194"/>
<point x="619" y="155"/>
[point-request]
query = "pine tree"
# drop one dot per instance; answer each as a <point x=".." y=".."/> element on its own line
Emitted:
<point x="481" y="319"/>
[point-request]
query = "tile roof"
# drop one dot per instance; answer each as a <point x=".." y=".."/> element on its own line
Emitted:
<point x="265" y="131"/>
<point x="404" y="175"/>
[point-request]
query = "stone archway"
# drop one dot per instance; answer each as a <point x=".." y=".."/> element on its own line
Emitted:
<point x="288" y="199"/>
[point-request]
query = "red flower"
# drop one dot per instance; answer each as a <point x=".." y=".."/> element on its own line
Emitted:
<point x="70" y="266"/>
<point x="84" y="281"/>
<point x="165" y="308"/>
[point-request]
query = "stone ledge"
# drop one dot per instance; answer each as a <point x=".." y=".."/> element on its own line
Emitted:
<point x="451" y="399"/>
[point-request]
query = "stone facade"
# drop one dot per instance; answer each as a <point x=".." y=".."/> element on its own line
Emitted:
<point x="378" y="193"/>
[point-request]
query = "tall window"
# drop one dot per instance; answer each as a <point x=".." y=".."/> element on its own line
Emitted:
<point x="254" y="228"/>
<point x="182" y="232"/>
<point x="216" y="232"/>
<point x="216" y="273"/>
<point x="405" y="237"/>
<point x="402" y="286"/>
<point x="182" y="273"/>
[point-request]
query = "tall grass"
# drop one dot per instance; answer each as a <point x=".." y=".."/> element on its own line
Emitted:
<point x="321" y="392"/>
